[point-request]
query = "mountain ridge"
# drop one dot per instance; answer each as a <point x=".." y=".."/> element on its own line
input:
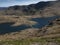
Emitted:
<point x="32" y="9"/>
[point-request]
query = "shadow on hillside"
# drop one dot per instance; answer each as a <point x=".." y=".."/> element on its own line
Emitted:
<point x="7" y="28"/>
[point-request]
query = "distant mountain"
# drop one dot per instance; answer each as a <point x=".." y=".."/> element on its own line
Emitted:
<point x="2" y="8"/>
<point x="28" y="9"/>
<point x="41" y="8"/>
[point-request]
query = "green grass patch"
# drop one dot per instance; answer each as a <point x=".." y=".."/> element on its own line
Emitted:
<point x="28" y="41"/>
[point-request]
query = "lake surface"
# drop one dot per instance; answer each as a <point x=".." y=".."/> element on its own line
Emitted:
<point x="7" y="28"/>
<point x="43" y="21"/>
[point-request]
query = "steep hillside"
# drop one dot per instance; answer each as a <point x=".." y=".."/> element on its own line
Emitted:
<point x="49" y="8"/>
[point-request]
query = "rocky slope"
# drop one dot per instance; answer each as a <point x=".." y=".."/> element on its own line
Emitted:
<point x="49" y="8"/>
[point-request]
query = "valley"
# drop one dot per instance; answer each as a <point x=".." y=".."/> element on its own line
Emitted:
<point x="34" y="24"/>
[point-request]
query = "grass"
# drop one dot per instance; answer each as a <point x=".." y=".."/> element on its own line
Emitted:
<point x="18" y="20"/>
<point x="23" y="42"/>
<point x="29" y="41"/>
<point x="57" y="39"/>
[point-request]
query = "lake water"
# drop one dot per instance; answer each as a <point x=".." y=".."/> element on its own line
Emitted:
<point x="43" y="21"/>
<point x="7" y="28"/>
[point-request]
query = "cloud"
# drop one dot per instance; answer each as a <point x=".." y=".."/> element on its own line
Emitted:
<point x="5" y="3"/>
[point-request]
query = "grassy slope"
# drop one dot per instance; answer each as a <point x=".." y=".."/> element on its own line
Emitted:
<point x="31" y="41"/>
<point x="30" y="36"/>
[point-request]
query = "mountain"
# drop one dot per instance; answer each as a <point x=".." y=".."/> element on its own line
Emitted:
<point x="34" y="24"/>
<point x="40" y="8"/>
<point x="2" y="8"/>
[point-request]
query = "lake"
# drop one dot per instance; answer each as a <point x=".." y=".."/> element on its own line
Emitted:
<point x="41" y="22"/>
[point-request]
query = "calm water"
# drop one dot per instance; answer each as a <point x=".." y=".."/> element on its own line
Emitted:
<point x="43" y="21"/>
<point x="7" y="28"/>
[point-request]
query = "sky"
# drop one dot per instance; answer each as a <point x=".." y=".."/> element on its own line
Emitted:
<point x="6" y="3"/>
